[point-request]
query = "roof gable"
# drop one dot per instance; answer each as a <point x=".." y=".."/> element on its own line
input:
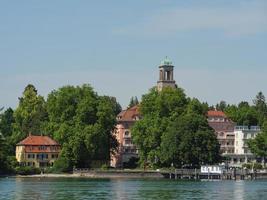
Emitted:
<point x="129" y="115"/>
<point x="37" y="140"/>
<point x="215" y="113"/>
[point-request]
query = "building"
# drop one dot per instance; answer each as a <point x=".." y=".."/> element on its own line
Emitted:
<point x="224" y="129"/>
<point x="126" y="149"/>
<point x="37" y="151"/>
<point x="166" y="75"/>
<point x="212" y="169"/>
<point x="232" y="139"/>
<point x="128" y="117"/>
<point x="242" y="154"/>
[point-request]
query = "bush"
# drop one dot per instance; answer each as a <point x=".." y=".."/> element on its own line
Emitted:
<point x="104" y="167"/>
<point x="131" y="164"/>
<point x="258" y="166"/>
<point x="62" y="164"/>
<point x="27" y="170"/>
<point x="252" y="165"/>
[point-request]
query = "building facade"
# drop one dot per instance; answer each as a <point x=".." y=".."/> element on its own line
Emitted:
<point x="126" y="149"/>
<point x="242" y="153"/>
<point x="37" y="151"/>
<point x="224" y="129"/>
<point x="232" y="138"/>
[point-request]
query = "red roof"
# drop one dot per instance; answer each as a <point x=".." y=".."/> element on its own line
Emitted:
<point x="129" y="115"/>
<point x="215" y="113"/>
<point x="37" y="140"/>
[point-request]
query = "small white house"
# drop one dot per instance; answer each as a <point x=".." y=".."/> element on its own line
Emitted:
<point x="211" y="169"/>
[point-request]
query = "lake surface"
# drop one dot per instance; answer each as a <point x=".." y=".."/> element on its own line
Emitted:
<point x="83" y="188"/>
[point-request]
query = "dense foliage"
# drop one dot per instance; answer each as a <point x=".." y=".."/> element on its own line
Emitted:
<point x="82" y="122"/>
<point x="77" y="117"/>
<point x="246" y="114"/>
<point x="133" y="102"/>
<point x="174" y="131"/>
<point x="258" y="145"/>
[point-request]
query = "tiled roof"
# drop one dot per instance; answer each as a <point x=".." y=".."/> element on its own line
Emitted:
<point x="37" y="140"/>
<point x="129" y="115"/>
<point x="222" y="126"/>
<point x="215" y="113"/>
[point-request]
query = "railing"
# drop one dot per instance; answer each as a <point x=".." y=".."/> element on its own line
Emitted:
<point x="246" y="128"/>
<point x="241" y="128"/>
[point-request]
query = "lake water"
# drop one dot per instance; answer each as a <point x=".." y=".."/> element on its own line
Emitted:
<point x="82" y="188"/>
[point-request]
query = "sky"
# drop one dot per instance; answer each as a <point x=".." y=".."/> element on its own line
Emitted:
<point x="218" y="47"/>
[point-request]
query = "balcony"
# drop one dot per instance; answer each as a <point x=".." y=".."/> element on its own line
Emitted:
<point x="241" y="128"/>
<point x="246" y="128"/>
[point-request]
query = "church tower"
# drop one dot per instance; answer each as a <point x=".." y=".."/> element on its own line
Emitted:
<point x="166" y="75"/>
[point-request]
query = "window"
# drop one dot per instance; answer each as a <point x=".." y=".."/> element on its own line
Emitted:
<point x="127" y="142"/>
<point x="42" y="147"/>
<point x="126" y="134"/>
<point x="54" y="156"/>
<point x="30" y="156"/>
<point x="42" y="156"/>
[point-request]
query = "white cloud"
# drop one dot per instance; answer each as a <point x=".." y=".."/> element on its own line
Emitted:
<point x="243" y="19"/>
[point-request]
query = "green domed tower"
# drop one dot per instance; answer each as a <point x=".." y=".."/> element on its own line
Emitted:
<point x="166" y="75"/>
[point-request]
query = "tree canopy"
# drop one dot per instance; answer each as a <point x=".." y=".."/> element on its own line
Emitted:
<point x="258" y="145"/>
<point x="174" y="130"/>
<point x="133" y="102"/>
<point x="82" y="122"/>
<point x="29" y="115"/>
<point x="245" y="114"/>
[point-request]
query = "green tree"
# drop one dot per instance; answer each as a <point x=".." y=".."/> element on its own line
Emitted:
<point x="82" y="122"/>
<point x="261" y="107"/>
<point x="174" y="130"/>
<point x="243" y="114"/>
<point x="189" y="139"/>
<point x="29" y="115"/>
<point x="6" y="121"/>
<point x="221" y="106"/>
<point x="133" y="102"/>
<point x="2" y="155"/>
<point x="7" y="162"/>
<point x="258" y="145"/>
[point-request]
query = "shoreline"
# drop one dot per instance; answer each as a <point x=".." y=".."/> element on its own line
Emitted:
<point x="134" y="174"/>
<point x="93" y="174"/>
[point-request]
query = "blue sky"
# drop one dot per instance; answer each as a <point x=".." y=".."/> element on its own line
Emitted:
<point x="218" y="47"/>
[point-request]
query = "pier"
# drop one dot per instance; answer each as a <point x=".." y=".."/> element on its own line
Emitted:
<point x="176" y="174"/>
<point x="233" y="174"/>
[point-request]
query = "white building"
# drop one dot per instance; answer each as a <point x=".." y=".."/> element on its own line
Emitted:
<point x="211" y="169"/>
<point x="242" y="154"/>
<point x="242" y="134"/>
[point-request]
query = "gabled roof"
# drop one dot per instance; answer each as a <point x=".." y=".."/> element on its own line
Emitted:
<point x="37" y="140"/>
<point x="215" y="113"/>
<point x="129" y="114"/>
